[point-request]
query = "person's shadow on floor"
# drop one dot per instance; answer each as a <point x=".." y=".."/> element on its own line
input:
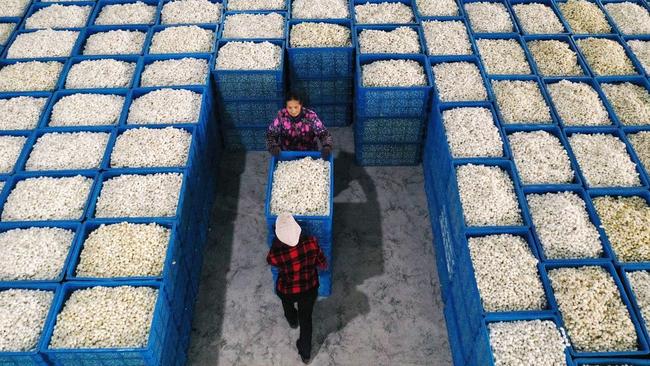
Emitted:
<point x="357" y="249"/>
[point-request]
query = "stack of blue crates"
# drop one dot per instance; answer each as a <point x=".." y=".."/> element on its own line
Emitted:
<point x="390" y="122"/>
<point x="467" y="321"/>
<point x="324" y="76"/>
<point x="317" y="226"/>
<point x="178" y="283"/>
<point x="249" y="100"/>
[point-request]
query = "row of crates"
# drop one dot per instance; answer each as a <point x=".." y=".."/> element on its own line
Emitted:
<point x="178" y="284"/>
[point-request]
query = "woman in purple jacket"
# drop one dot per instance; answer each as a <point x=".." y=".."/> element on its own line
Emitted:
<point x="297" y="128"/>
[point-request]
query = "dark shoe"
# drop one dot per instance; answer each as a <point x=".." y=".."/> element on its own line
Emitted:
<point x="293" y="324"/>
<point x="304" y="359"/>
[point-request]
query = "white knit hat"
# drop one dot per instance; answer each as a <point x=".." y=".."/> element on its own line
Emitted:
<point x="287" y="229"/>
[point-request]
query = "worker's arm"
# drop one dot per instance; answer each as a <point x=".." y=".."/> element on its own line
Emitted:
<point x="322" y="133"/>
<point x="273" y="136"/>
<point x="321" y="260"/>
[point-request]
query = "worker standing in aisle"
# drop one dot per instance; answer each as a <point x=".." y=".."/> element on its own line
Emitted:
<point x="297" y="128"/>
<point x="297" y="258"/>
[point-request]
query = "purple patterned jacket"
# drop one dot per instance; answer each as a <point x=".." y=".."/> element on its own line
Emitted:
<point x="301" y="133"/>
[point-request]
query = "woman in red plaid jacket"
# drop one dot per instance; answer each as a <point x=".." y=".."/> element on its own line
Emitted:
<point x="297" y="259"/>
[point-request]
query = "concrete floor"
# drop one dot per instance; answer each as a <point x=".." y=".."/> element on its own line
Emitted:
<point x="385" y="307"/>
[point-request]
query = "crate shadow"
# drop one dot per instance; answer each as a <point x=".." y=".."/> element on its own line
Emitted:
<point x="357" y="249"/>
<point x="207" y="324"/>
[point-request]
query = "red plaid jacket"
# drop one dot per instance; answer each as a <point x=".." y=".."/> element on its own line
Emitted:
<point x="297" y="265"/>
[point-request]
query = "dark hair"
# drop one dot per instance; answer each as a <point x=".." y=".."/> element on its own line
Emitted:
<point x="294" y="96"/>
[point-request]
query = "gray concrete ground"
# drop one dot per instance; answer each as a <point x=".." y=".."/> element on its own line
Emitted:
<point x="385" y="307"/>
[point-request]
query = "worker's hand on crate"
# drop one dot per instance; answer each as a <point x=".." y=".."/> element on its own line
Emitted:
<point x="325" y="152"/>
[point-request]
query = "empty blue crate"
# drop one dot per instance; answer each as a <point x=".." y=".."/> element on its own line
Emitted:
<point x="235" y="85"/>
<point x="321" y="91"/>
<point x="320" y="62"/>
<point x="389" y="130"/>
<point x="318" y="226"/>
<point x="387" y="154"/>
<point x="34" y="356"/>
<point x="250" y="113"/>
<point x="333" y="115"/>
<point x="245" y="139"/>
<point x="392" y="101"/>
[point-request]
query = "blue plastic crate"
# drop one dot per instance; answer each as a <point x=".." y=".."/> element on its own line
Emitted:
<point x="78" y="59"/>
<point x="59" y="82"/>
<point x="503" y="37"/>
<point x="324" y="91"/>
<point x="392" y="101"/>
<point x="456" y="205"/>
<point x="70" y="225"/>
<point x="549" y="3"/>
<point x="473" y="59"/>
<point x="460" y="15"/>
<point x="206" y="105"/>
<point x="320" y="62"/>
<point x="164" y="2"/>
<point x="171" y="272"/>
<point x="409" y="3"/>
<point x="334" y="114"/>
<point x="194" y="153"/>
<point x="616" y="133"/>
<point x="92" y="30"/>
<point x="462" y="20"/>
<point x="259" y="85"/>
<point x="285" y="7"/>
<point x="389" y="130"/>
<point x="24" y="150"/>
<point x="150" y="59"/>
<point x="214" y="28"/>
<point x="482" y="353"/>
<point x="162" y="333"/>
<point x="36" y="6"/>
<point x="609" y="267"/>
<point x="525" y="78"/>
<point x="612" y="361"/>
<point x="318" y="226"/>
<point x="387" y="154"/>
<point x="102" y="3"/>
<point x="645" y="169"/>
<point x="248" y="139"/>
<point x="618" y="29"/>
<point x="593" y="217"/>
<point x="515" y="28"/>
<point x="555" y="131"/>
<point x="555" y="37"/>
<point x="256" y="12"/>
<point x="104" y="176"/>
<point x="645" y="38"/>
<point x="250" y="113"/>
<point x="637" y="67"/>
<point x="47" y="111"/>
<point x="441" y="151"/>
<point x="453" y="336"/>
<point x="638" y="80"/>
<point x="594" y="193"/>
<point x="23" y="176"/>
<point x="21" y="166"/>
<point x="16" y="34"/>
<point x="387" y="28"/>
<point x="624" y="270"/>
<point x="466" y="294"/>
<point x="34" y="357"/>
<point x="584" y="80"/>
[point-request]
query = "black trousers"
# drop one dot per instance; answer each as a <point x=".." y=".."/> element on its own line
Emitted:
<point x="306" y="301"/>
